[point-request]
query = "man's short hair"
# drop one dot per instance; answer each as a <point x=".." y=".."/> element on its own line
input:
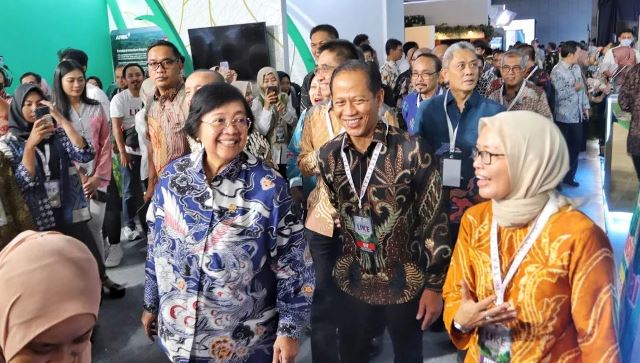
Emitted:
<point x="436" y="61"/>
<point x="553" y="45"/>
<point x="527" y="50"/>
<point x="166" y="43"/>
<point x="625" y="30"/>
<point x="516" y="53"/>
<point x="218" y="78"/>
<point x="130" y="65"/>
<point x="344" y="50"/>
<point x="448" y="54"/>
<point x="479" y="43"/>
<point x="391" y="44"/>
<point x="329" y="29"/>
<point x="30" y="74"/>
<point x="74" y="54"/>
<point x="359" y="39"/>
<point x="408" y="46"/>
<point x="374" y="79"/>
<point x="568" y="47"/>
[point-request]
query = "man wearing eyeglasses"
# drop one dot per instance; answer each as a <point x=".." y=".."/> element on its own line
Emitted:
<point x="513" y="91"/>
<point x="425" y="72"/>
<point x="166" y="109"/>
<point x="449" y="123"/>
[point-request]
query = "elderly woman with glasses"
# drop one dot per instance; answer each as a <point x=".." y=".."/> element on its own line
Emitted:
<point x="228" y="275"/>
<point x="531" y="277"/>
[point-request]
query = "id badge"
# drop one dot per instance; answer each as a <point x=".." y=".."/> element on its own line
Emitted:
<point x="495" y="344"/>
<point x="365" y="238"/>
<point x="53" y="193"/>
<point x="451" y="172"/>
<point x="280" y="133"/>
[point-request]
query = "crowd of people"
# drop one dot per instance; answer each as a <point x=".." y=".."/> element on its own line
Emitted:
<point x="420" y="194"/>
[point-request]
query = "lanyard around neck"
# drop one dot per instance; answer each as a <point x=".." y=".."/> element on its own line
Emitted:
<point x="370" y="169"/>
<point x="44" y="158"/>
<point x="500" y="285"/>
<point x="453" y="133"/>
<point x="516" y="98"/>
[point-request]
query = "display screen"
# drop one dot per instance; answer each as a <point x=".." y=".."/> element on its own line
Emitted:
<point x="244" y="46"/>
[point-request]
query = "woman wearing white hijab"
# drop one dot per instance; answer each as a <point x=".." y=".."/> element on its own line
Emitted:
<point x="531" y="278"/>
<point x="49" y="300"/>
<point x="274" y="119"/>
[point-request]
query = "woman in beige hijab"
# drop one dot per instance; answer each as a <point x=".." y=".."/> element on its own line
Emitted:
<point x="49" y="300"/>
<point x="531" y="277"/>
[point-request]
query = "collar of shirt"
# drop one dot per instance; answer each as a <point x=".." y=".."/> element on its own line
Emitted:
<point x="473" y="100"/>
<point x="170" y="95"/>
<point x="230" y="171"/>
<point x="379" y="137"/>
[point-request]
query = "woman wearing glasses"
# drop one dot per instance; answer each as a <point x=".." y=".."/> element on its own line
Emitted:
<point x="228" y="277"/>
<point x="531" y="278"/>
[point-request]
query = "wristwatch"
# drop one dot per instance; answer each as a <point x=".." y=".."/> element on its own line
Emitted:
<point x="459" y="328"/>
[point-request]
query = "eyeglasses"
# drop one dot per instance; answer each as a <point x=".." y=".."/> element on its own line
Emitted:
<point x="423" y="75"/>
<point x="485" y="157"/>
<point x="323" y="68"/>
<point x="507" y="69"/>
<point x="165" y="63"/>
<point x="242" y="123"/>
<point x="473" y="65"/>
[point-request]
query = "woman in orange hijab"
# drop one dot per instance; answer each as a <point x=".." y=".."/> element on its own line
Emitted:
<point x="41" y="321"/>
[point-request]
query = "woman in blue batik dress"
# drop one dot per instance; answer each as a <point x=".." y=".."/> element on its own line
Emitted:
<point x="228" y="273"/>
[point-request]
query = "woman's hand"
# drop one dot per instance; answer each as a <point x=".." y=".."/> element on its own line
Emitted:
<point x="150" y="324"/>
<point x="90" y="185"/>
<point x="472" y="314"/>
<point x="285" y="350"/>
<point x="42" y="129"/>
<point x="54" y="112"/>
<point x="280" y="107"/>
<point x="270" y="99"/>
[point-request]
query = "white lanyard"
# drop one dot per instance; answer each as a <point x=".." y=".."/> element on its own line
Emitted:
<point x="44" y="158"/>
<point x="516" y="98"/>
<point x="532" y="72"/>
<point x="367" y="176"/>
<point x="499" y="285"/>
<point x="453" y="133"/>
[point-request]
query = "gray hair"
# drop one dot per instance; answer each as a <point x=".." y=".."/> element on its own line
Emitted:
<point x="218" y="78"/>
<point x="448" y="54"/>
<point x="516" y="53"/>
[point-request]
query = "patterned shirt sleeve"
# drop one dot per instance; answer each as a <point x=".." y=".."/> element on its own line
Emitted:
<point x="82" y="155"/>
<point x="292" y="265"/>
<point x="435" y="229"/>
<point x="630" y="89"/>
<point x="155" y="221"/>
<point x="308" y="159"/>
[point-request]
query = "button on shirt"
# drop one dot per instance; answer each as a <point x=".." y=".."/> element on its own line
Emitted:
<point x="432" y="123"/>
<point x="405" y="205"/>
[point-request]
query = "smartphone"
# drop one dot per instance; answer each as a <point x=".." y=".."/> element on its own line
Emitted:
<point x="41" y="112"/>
<point x="272" y="89"/>
<point x="224" y="66"/>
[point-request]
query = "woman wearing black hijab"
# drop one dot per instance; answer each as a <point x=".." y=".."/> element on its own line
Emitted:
<point x="43" y="151"/>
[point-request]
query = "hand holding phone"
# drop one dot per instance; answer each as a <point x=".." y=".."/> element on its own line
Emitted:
<point x="224" y="67"/>
<point x="272" y="94"/>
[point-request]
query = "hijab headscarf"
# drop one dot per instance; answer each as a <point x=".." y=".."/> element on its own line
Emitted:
<point x="18" y="125"/>
<point x="537" y="158"/>
<point x="45" y="278"/>
<point x="283" y="97"/>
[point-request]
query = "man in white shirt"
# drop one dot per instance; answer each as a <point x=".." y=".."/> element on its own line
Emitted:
<point x="622" y="57"/>
<point x="124" y="107"/>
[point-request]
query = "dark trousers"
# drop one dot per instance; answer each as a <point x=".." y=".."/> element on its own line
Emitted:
<point x="325" y="306"/>
<point x="357" y="327"/>
<point x="573" y="136"/>
<point x="112" y="216"/>
<point x="81" y="232"/>
<point x="132" y="193"/>
<point x="636" y="164"/>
